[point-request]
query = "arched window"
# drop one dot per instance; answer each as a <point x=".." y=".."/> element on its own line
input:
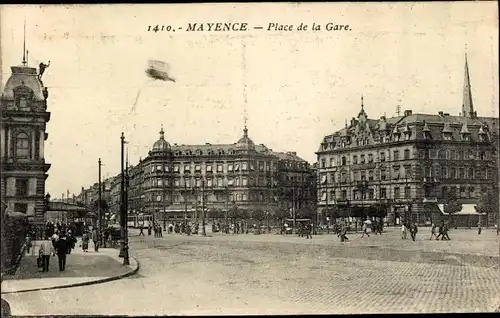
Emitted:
<point x="22" y="146"/>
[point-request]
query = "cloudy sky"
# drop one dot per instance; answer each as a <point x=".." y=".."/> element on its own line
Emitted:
<point x="297" y="86"/>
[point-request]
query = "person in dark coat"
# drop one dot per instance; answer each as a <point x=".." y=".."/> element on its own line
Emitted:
<point x="62" y="247"/>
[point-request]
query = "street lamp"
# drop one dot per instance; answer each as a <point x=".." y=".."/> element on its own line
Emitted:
<point x="123" y="208"/>
<point x="203" y="232"/>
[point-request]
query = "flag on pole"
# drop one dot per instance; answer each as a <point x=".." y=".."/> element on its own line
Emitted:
<point x="159" y="70"/>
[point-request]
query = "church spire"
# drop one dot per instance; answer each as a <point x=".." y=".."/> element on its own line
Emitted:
<point x="24" y="44"/>
<point x="467" y="105"/>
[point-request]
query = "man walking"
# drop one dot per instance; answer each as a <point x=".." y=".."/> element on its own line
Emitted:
<point x="365" y="230"/>
<point x="46" y="249"/>
<point x="141" y="228"/>
<point x="413" y="231"/>
<point x="62" y="247"/>
<point x="95" y="239"/>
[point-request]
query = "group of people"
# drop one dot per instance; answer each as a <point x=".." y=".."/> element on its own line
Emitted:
<point x="60" y="244"/>
<point x="440" y="231"/>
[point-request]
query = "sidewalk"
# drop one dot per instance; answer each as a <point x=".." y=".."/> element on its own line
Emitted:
<point x="81" y="269"/>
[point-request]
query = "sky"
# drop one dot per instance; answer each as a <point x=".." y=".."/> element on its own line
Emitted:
<point x="294" y="86"/>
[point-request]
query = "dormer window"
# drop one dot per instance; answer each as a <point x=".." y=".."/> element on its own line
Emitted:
<point x="220" y="152"/>
<point x="231" y="151"/>
<point x="465" y="137"/>
<point x="199" y="152"/>
<point x="22" y="146"/>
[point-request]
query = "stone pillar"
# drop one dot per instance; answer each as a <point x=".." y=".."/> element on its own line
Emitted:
<point x="42" y="142"/>
<point x="33" y="145"/>
<point x="9" y="142"/>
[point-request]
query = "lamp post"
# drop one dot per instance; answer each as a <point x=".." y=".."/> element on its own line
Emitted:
<point x="99" y="215"/>
<point x="123" y="207"/>
<point x="203" y="231"/>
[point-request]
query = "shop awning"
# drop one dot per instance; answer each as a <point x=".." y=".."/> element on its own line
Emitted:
<point x="467" y="209"/>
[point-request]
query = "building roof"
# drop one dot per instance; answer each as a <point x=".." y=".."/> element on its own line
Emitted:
<point x="23" y="76"/>
<point x="161" y="144"/>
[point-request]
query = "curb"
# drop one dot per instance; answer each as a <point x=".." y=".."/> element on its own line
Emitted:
<point x="93" y="282"/>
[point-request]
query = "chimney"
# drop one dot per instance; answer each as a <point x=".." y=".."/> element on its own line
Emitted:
<point x="446" y="114"/>
<point x="207" y="143"/>
<point x="382" y="117"/>
<point x="440" y="113"/>
<point x="408" y="112"/>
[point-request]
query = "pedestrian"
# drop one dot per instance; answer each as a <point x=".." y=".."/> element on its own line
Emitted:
<point x="155" y="229"/>
<point x="343" y="232"/>
<point x="149" y="229"/>
<point x="497" y="226"/>
<point x="403" y="231"/>
<point x="433" y="231"/>
<point x="413" y="231"/>
<point x="440" y="232"/>
<point x="29" y="243"/>
<point x="71" y="240"/>
<point x="62" y="247"/>
<point x="85" y="242"/>
<point x="445" y="233"/>
<point x="160" y="231"/>
<point x="46" y="249"/>
<point x="479" y="228"/>
<point x="141" y="228"/>
<point x="309" y="231"/>
<point x="95" y="239"/>
<point x="365" y="230"/>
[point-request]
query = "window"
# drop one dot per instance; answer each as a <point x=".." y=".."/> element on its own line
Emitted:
<point x="187" y="182"/>
<point x="471" y="173"/>
<point x="21" y="207"/>
<point x="363" y="175"/>
<point x="407" y="154"/>
<point x="323" y="179"/>
<point x="261" y="165"/>
<point x="244" y="181"/>
<point x="22" y="146"/>
<point x="177" y="182"/>
<point x="344" y="194"/>
<point x="220" y="168"/>
<point x="397" y="172"/>
<point x="396" y="193"/>
<point x="176" y="168"/>
<point x="230" y="167"/>
<point x="167" y="169"/>
<point x="453" y="173"/>
<point x="332" y="163"/>
<point x="354" y="160"/>
<point x="344" y="177"/>
<point x="444" y="172"/>
<point x="362" y="159"/>
<point x="383" y="193"/>
<point x="407" y="192"/>
<point x="198" y="183"/>
<point x="355" y="175"/>
<point x="323" y="196"/>
<point x="370" y="158"/>
<point x="344" y="161"/>
<point x="220" y="182"/>
<point x="428" y="172"/>
<point x="332" y="177"/>
<point x="462" y="191"/>
<point x="209" y="183"/>
<point x="230" y="182"/>
<point x="370" y="175"/>
<point x="236" y="167"/>
<point x="323" y="164"/>
<point x="22" y="187"/>
<point x="382" y="156"/>
<point x="396" y="155"/>
<point x="382" y="174"/>
<point x="371" y="194"/>
<point x="158" y="198"/>
<point x="244" y="166"/>
<point x="209" y="168"/>
<point x="197" y="168"/>
<point x="461" y="173"/>
<point x="186" y="168"/>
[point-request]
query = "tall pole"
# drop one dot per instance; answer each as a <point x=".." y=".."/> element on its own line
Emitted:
<point x="123" y="212"/>
<point x="99" y="216"/>
<point x="203" y="232"/>
<point x="185" y="201"/>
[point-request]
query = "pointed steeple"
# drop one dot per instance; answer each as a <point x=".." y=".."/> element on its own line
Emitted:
<point x="467" y="105"/>
<point x="24" y="44"/>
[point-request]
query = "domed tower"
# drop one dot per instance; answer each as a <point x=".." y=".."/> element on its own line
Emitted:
<point x="23" y="104"/>
<point x="158" y="169"/>
<point x="245" y="144"/>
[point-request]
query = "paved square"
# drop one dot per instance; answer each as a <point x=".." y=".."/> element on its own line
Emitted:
<point x="273" y="274"/>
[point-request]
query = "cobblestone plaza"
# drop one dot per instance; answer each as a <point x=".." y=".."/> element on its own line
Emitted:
<point x="264" y="274"/>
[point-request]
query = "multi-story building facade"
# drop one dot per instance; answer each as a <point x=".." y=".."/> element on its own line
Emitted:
<point x="23" y="133"/>
<point x="408" y="164"/>
<point x="175" y="181"/>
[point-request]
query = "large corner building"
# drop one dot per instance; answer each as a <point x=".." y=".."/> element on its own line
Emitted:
<point x="407" y="165"/>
